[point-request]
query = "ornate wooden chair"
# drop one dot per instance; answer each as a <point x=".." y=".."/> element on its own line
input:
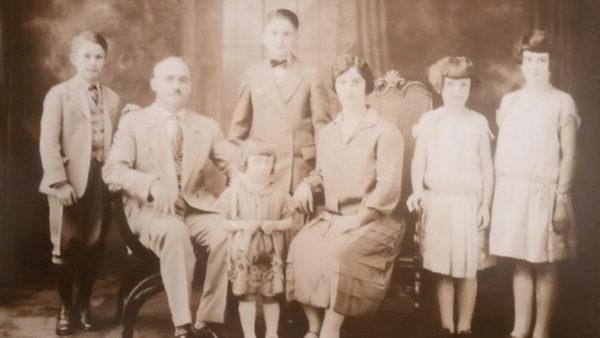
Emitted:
<point x="403" y="102"/>
<point x="142" y="279"/>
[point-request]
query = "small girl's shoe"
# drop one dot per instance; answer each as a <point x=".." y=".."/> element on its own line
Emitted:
<point x="310" y="334"/>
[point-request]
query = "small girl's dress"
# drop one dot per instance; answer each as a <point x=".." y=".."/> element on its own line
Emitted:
<point x="255" y="260"/>
<point x="527" y="169"/>
<point x="450" y="241"/>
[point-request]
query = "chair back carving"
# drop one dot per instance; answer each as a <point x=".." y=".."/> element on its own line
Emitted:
<point x="403" y="102"/>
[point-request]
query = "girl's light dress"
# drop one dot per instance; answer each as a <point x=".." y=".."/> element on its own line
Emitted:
<point x="450" y="241"/>
<point x="527" y="170"/>
<point x="255" y="260"/>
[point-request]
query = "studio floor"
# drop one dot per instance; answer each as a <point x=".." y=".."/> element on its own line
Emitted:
<point x="29" y="311"/>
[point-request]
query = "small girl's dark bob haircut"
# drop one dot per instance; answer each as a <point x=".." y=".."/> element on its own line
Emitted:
<point x="536" y="41"/>
<point x="454" y="67"/>
<point x="254" y="147"/>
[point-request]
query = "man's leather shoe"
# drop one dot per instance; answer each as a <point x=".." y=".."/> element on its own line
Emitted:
<point x="86" y="320"/>
<point x="205" y="332"/>
<point x="64" y="321"/>
<point x="186" y="335"/>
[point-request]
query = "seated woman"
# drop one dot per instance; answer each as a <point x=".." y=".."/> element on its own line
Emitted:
<point x="342" y="261"/>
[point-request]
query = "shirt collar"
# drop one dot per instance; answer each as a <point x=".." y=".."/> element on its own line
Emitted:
<point x="86" y="84"/>
<point x="166" y="114"/>
<point x="370" y="118"/>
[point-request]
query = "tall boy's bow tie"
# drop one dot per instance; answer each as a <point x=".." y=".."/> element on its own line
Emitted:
<point x="276" y="63"/>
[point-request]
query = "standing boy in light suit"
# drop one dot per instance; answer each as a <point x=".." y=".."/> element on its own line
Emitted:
<point x="76" y="133"/>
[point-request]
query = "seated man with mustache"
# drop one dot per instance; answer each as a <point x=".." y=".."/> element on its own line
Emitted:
<point x="159" y="158"/>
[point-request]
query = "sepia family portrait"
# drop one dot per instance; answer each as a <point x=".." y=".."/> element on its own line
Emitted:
<point x="300" y="168"/>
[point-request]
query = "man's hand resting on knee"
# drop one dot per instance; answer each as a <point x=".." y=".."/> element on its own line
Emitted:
<point x="162" y="201"/>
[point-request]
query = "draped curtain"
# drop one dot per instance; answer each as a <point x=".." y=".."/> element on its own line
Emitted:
<point x="362" y="29"/>
<point x="221" y="38"/>
<point x="558" y="17"/>
<point x="201" y="32"/>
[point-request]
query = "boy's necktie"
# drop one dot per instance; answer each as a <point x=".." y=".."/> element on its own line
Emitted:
<point x="94" y="94"/>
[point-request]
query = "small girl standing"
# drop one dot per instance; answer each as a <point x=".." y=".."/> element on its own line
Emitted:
<point x="452" y="177"/>
<point x="259" y="214"/>
<point x="532" y="218"/>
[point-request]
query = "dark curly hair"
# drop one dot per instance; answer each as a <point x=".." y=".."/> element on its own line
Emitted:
<point x="343" y="63"/>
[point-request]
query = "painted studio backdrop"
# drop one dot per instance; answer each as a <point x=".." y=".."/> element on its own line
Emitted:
<point x="222" y="38"/>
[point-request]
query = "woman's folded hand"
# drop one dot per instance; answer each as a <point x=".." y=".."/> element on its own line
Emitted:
<point x="414" y="202"/>
<point x="304" y="198"/>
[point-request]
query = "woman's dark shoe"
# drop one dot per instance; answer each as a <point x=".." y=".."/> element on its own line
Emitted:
<point x="186" y="335"/>
<point x="465" y="334"/>
<point x="86" y="320"/>
<point x="64" y="321"/>
<point x="444" y="333"/>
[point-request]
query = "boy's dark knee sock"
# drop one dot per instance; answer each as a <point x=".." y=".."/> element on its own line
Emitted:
<point x="88" y="271"/>
<point x="64" y="278"/>
<point x="87" y="277"/>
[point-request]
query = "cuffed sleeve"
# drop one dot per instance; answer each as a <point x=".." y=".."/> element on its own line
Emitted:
<point x="568" y="110"/>
<point x="484" y="128"/>
<point x="223" y="204"/>
<point x="319" y="102"/>
<point x="241" y="121"/>
<point x="314" y="179"/>
<point x="223" y="153"/>
<point x="389" y="157"/>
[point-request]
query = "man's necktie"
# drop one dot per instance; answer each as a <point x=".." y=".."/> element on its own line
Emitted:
<point x="177" y="147"/>
<point x="278" y="63"/>
<point x="94" y="94"/>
